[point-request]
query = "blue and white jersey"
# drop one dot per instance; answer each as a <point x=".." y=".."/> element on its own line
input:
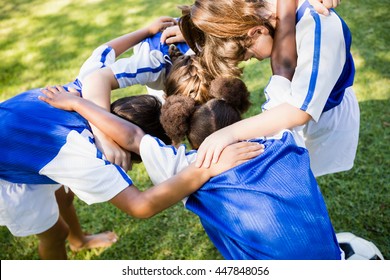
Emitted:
<point x="325" y="66"/>
<point x="149" y="64"/>
<point x="322" y="86"/>
<point x="267" y="208"/>
<point x="41" y="144"/>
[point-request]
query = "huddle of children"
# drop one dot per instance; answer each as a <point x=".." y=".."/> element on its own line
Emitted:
<point x="251" y="181"/>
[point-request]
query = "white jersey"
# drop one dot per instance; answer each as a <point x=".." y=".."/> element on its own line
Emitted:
<point x="164" y="161"/>
<point x="148" y="66"/>
<point x="322" y="86"/>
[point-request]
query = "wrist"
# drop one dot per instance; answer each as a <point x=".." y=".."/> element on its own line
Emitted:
<point x="75" y="103"/>
<point x="200" y="175"/>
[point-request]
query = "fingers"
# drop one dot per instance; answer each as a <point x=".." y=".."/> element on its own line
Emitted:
<point x="168" y="32"/>
<point x="74" y="92"/>
<point x="46" y="92"/>
<point x="331" y="3"/>
<point x="199" y="159"/>
<point x="172" y="35"/>
<point x="209" y="158"/>
<point x="320" y="8"/>
<point x="251" y="150"/>
<point x="169" y="20"/>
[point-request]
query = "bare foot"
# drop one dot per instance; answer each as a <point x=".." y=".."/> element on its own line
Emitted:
<point x="100" y="240"/>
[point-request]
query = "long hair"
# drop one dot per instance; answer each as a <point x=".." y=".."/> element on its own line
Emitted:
<point x="187" y="77"/>
<point x="217" y="31"/>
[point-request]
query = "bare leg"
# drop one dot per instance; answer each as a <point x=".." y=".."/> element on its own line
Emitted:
<point x="78" y="240"/>
<point x="52" y="242"/>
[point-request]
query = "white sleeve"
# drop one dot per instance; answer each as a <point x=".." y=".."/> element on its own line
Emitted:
<point x="101" y="57"/>
<point x="144" y="67"/>
<point x="163" y="161"/>
<point x="321" y="57"/>
<point x="277" y="91"/>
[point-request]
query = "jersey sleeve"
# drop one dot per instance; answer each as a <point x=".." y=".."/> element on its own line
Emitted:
<point x="101" y="57"/>
<point x="163" y="161"/>
<point x="277" y="91"/>
<point x="83" y="168"/>
<point x="321" y="57"/>
<point x="145" y="67"/>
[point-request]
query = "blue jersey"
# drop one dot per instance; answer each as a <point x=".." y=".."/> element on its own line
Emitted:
<point x="41" y="144"/>
<point x="148" y="66"/>
<point x="32" y="134"/>
<point x="267" y="208"/>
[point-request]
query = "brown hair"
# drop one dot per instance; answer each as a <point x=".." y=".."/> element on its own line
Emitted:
<point x="187" y="77"/>
<point x="190" y="76"/>
<point x="217" y="31"/>
<point x="182" y="118"/>
<point x="144" y="111"/>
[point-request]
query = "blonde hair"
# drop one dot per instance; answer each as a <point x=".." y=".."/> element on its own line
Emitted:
<point x="217" y="31"/>
<point x="187" y="77"/>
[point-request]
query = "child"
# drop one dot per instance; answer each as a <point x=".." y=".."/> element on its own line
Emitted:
<point x="249" y="212"/>
<point x="321" y="104"/>
<point x="150" y="64"/>
<point x="44" y="148"/>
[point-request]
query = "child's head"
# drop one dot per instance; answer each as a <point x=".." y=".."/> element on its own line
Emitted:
<point x="189" y="76"/>
<point x="186" y="77"/>
<point x="144" y="111"/>
<point x="181" y="117"/>
<point x="233" y="23"/>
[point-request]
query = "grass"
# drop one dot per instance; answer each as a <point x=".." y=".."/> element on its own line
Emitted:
<point x="44" y="42"/>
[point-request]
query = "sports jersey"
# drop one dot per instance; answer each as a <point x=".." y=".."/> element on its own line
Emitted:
<point x="267" y="208"/>
<point x="325" y="66"/>
<point x="148" y="66"/>
<point x="41" y="144"/>
<point x="322" y="86"/>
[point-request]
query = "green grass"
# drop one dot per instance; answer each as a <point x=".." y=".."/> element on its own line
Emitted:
<point x="44" y="42"/>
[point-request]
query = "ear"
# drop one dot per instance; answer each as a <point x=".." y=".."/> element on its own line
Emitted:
<point x="257" y="30"/>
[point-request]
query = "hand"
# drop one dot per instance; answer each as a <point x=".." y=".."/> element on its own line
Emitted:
<point x="172" y="35"/>
<point x="60" y="98"/>
<point x="112" y="151"/>
<point x="211" y="148"/>
<point x="234" y="155"/>
<point x="160" y="25"/>
<point x="323" y="6"/>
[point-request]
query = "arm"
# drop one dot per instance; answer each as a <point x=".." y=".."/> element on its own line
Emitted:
<point x="283" y="116"/>
<point x="125" y="42"/>
<point x="156" y="199"/>
<point x="124" y="133"/>
<point x="97" y="86"/>
<point x="284" y="54"/>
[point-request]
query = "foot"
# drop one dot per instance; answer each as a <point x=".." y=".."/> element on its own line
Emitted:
<point x="100" y="240"/>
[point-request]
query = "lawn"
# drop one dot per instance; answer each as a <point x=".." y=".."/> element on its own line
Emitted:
<point x="44" y="42"/>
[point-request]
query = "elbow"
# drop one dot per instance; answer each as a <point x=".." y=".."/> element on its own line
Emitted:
<point x="135" y="203"/>
<point x="142" y="215"/>
<point x="142" y="210"/>
<point x="286" y="68"/>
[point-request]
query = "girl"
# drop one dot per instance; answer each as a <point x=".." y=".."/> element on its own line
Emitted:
<point x="44" y="148"/>
<point x="249" y="212"/>
<point x="320" y="104"/>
